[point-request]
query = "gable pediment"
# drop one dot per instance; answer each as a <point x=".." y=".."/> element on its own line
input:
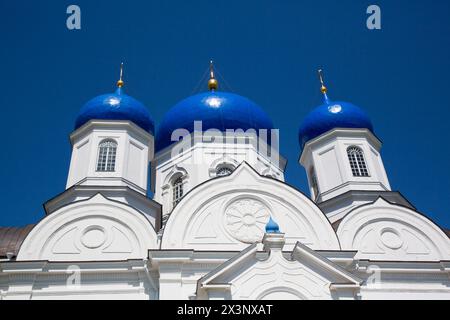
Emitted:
<point x="303" y="274"/>
<point x="229" y="213"/>
<point x="96" y="229"/>
<point x="385" y="231"/>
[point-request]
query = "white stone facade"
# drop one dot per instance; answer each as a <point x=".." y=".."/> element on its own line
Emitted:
<point x="104" y="239"/>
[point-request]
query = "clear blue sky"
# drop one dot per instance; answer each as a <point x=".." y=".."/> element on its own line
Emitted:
<point x="268" y="51"/>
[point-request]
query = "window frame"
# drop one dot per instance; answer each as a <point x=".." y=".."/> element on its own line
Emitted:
<point x="106" y="156"/>
<point x="357" y="162"/>
<point x="177" y="186"/>
<point x="224" y="167"/>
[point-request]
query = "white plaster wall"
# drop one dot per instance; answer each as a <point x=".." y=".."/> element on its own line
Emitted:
<point x="125" y="280"/>
<point x="328" y="154"/>
<point x="134" y="151"/>
<point x="383" y="231"/>
<point x="91" y="230"/>
<point x="236" y="210"/>
<point x="199" y="162"/>
<point x="278" y="278"/>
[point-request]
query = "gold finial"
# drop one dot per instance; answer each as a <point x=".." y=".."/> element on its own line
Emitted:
<point x="323" y="89"/>
<point x="212" y="82"/>
<point x="120" y="83"/>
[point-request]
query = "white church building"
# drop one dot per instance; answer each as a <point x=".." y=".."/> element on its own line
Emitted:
<point x="221" y="221"/>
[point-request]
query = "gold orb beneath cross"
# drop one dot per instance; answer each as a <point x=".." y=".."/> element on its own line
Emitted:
<point x="213" y="84"/>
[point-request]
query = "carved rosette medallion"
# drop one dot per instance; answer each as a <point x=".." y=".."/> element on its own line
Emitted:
<point x="391" y="238"/>
<point x="246" y="220"/>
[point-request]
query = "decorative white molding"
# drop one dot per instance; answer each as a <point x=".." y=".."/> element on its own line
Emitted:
<point x="90" y="230"/>
<point x="198" y="222"/>
<point x="385" y="231"/>
<point x="133" y="153"/>
<point x="129" y="279"/>
<point x="225" y="161"/>
<point x="327" y="155"/>
<point x="308" y="275"/>
<point x="175" y="172"/>
<point x="246" y="219"/>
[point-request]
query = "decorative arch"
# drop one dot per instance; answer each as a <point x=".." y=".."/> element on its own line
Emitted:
<point x="106" y="155"/>
<point x="357" y="161"/>
<point x="269" y="172"/>
<point x="175" y="173"/>
<point x="280" y="293"/>
<point x="96" y="229"/>
<point x="175" y="184"/>
<point x="385" y="231"/>
<point x="207" y="216"/>
<point x="224" y="161"/>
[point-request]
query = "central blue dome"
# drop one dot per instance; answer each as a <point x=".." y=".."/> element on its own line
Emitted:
<point x="331" y="115"/>
<point x="217" y="110"/>
<point x="116" y="106"/>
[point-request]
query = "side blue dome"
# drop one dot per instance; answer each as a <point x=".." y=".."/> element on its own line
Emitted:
<point x="217" y="110"/>
<point x="331" y="115"/>
<point x="116" y="106"/>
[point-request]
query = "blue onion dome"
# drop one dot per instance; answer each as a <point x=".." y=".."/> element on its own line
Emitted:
<point x="272" y="226"/>
<point x="216" y="110"/>
<point x="116" y="106"/>
<point x="331" y="115"/>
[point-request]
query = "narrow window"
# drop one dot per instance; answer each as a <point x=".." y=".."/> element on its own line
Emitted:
<point x="223" y="171"/>
<point x="357" y="162"/>
<point x="314" y="185"/>
<point x="106" y="156"/>
<point x="177" y="189"/>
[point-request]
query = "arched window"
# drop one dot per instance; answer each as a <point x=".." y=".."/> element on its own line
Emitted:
<point x="177" y="190"/>
<point x="107" y="156"/>
<point x="313" y="179"/>
<point x="357" y="162"/>
<point x="223" y="171"/>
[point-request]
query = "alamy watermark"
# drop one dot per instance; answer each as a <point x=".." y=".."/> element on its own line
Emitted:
<point x="264" y="141"/>
<point x="374" y="280"/>
<point x="374" y="20"/>
<point x="74" y="279"/>
<point x="73" y="21"/>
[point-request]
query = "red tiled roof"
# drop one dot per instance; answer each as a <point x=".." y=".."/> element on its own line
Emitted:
<point x="447" y="232"/>
<point x="11" y="239"/>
